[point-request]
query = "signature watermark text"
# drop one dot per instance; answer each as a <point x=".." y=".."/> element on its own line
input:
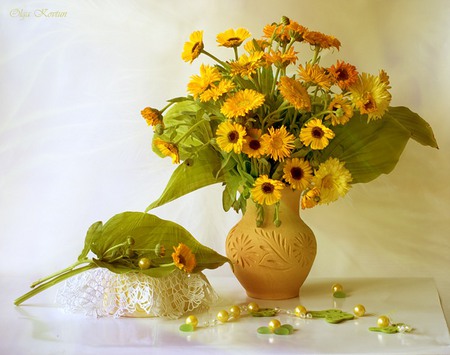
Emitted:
<point x="37" y="13"/>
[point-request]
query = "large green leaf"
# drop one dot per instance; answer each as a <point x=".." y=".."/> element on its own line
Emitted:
<point x="148" y="231"/>
<point x="192" y="174"/>
<point x="368" y="149"/>
<point x="419" y="129"/>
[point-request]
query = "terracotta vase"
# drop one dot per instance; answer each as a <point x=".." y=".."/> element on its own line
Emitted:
<point x="272" y="262"/>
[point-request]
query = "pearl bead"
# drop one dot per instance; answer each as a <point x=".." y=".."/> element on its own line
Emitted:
<point x="274" y="324"/>
<point x="337" y="288"/>
<point x="300" y="311"/>
<point x="235" y="311"/>
<point x="383" y="321"/>
<point x="222" y="316"/>
<point x="192" y="320"/>
<point x="144" y="263"/>
<point x="252" y="307"/>
<point x="359" y="310"/>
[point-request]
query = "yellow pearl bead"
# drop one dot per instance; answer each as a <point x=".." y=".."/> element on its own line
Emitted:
<point x="300" y="311"/>
<point x="274" y="324"/>
<point x="192" y="320"/>
<point x="359" y="310"/>
<point x="235" y="311"/>
<point x="223" y="316"/>
<point x="252" y="307"/>
<point x="383" y="321"/>
<point x="337" y="288"/>
<point x="144" y="263"/>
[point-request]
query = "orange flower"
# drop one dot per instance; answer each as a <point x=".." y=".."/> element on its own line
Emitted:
<point x="321" y="40"/>
<point x="344" y="74"/>
<point x="183" y="258"/>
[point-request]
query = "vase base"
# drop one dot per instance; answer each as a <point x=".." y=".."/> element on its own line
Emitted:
<point x="272" y="296"/>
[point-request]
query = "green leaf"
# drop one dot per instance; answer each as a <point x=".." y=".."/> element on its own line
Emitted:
<point x="339" y="294"/>
<point x="187" y="328"/>
<point x="92" y="233"/>
<point x="264" y="330"/>
<point x="289" y="327"/>
<point x="419" y="129"/>
<point x="148" y="231"/>
<point x="200" y="172"/>
<point x="333" y="316"/>
<point x="264" y="312"/>
<point x="282" y="331"/>
<point x="368" y="149"/>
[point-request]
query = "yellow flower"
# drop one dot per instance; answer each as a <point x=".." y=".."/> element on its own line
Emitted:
<point x="315" y="134"/>
<point x="315" y="74"/>
<point x="311" y="198"/>
<point x="232" y="38"/>
<point x="344" y="74"/>
<point x="215" y="91"/>
<point x="266" y="191"/>
<point x="152" y="116"/>
<point x="321" y="40"/>
<point x="167" y="149"/>
<point x="278" y="143"/>
<point x="230" y="136"/>
<point x="281" y="60"/>
<point x="341" y="109"/>
<point x="295" y="93"/>
<point x="200" y="83"/>
<point x="256" y="45"/>
<point x="252" y="143"/>
<point x="183" y="258"/>
<point x="284" y="33"/>
<point x="298" y="173"/>
<point x="194" y="47"/>
<point x="241" y="103"/>
<point x="246" y="65"/>
<point x="371" y="96"/>
<point x="332" y="179"/>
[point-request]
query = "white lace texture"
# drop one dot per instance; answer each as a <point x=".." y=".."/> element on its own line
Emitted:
<point x="101" y="293"/>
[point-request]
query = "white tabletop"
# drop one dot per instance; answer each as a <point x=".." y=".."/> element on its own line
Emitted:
<point x="39" y="326"/>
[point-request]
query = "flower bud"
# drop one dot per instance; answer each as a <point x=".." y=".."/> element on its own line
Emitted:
<point x="285" y="20"/>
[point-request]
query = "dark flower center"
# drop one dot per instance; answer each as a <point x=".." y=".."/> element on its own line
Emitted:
<point x="317" y="132"/>
<point x="342" y="75"/>
<point x="296" y="173"/>
<point x="267" y="188"/>
<point x="254" y="144"/>
<point x="233" y="136"/>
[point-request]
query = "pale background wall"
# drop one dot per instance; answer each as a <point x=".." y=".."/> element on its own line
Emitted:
<point x="74" y="150"/>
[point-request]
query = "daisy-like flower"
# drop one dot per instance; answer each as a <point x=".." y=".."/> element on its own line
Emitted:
<point x="215" y="91"/>
<point x="315" y="74"/>
<point x="295" y="93"/>
<point x="311" y="198"/>
<point x="167" y="149"/>
<point x="332" y="179"/>
<point x="321" y="40"/>
<point x="315" y="134"/>
<point x="200" y="83"/>
<point x="278" y="143"/>
<point x="281" y="60"/>
<point x="152" y="116"/>
<point x="285" y="32"/>
<point x="230" y="136"/>
<point x="233" y="38"/>
<point x="341" y="109"/>
<point x="183" y="258"/>
<point x="371" y="96"/>
<point x="194" y="47"/>
<point x="266" y="191"/>
<point x="252" y="143"/>
<point x="384" y="77"/>
<point x="298" y="173"/>
<point x="256" y="45"/>
<point x="344" y="74"/>
<point x="241" y="103"/>
<point x="247" y="65"/>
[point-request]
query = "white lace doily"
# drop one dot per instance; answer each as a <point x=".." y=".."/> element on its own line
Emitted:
<point x="100" y="292"/>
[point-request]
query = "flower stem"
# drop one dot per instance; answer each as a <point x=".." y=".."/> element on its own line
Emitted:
<point x="63" y="275"/>
<point x="215" y="58"/>
<point x="44" y="279"/>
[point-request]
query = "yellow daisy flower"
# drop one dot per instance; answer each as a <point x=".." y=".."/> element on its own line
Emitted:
<point x="295" y="93"/>
<point x="281" y="60"/>
<point x="266" y="191"/>
<point x="311" y="198"/>
<point x="183" y="258"/>
<point x="256" y="45"/>
<point x="167" y="149"/>
<point x="252" y="143"/>
<point x="241" y="103"/>
<point x="152" y="116"/>
<point x="278" y="143"/>
<point x="284" y="33"/>
<point x="315" y="134"/>
<point x="233" y="38"/>
<point x="194" y="47"/>
<point x="200" y="83"/>
<point x="341" y="109"/>
<point x="371" y="96"/>
<point x="215" y="91"/>
<point x="246" y="65"/>
<point x="321" y="40"/>
<point x="315" y="74"/>
<point x="332" y="179"/>
<point x="230" y="136"/>
<point x="298" y="173"/>
<point x="344" y="74"/>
